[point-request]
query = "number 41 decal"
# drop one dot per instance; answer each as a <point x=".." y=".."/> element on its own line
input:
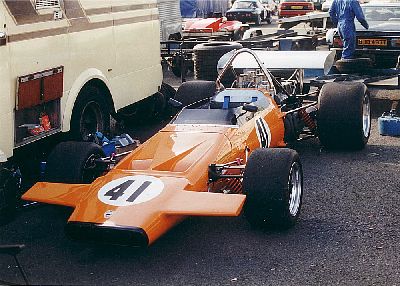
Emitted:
<point x="130" y="190"/>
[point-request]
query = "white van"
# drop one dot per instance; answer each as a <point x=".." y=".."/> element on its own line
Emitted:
<point x="66" y="65"/>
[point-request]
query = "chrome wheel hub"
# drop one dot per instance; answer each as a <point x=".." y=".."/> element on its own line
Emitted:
<point x="295" y="188"/>
<point x="366" y="116"/>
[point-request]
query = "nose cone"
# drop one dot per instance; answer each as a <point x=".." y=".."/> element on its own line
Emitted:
<point x="131" y="236"/>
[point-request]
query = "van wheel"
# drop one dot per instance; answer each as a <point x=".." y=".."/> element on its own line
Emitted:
<point x="273" y="185"/>
<point x="350" y="128"/>
<point x="78" y="163"/>
<point x="90" y="114"/>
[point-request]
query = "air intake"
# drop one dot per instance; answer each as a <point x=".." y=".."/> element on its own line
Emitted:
<point x="45" y="4"/>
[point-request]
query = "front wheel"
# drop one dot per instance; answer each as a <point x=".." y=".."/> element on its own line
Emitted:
<point x="273" y="185"/>
<point x="344" y="115"/>
<point x="74" y="163"/>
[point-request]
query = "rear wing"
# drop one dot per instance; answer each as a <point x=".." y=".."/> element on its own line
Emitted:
<point x="316" y="20"/>
<point x="314" y="63"/>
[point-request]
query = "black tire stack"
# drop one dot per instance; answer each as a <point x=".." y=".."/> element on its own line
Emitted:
<point x="350" y="66"/>
<point x="206" y="57"/>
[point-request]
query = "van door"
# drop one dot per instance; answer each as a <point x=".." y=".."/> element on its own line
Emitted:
<point x="6" y="106"/>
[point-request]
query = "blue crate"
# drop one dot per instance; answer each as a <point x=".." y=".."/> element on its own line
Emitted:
<point x="389" y="124"/>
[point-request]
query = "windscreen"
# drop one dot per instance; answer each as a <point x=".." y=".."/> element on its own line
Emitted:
<point x="296" y="0"/>
<point x="381" y="18"/>
<point x="244" y="5"/>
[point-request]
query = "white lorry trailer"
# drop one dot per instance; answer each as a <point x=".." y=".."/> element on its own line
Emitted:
<point x="66" y="66"/>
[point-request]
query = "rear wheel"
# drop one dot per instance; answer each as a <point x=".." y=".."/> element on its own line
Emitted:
<point x="73" y="163"/>
<point x="193" y="91"/>
<point x="273" y="185"/>
<point x="344" y="115"/>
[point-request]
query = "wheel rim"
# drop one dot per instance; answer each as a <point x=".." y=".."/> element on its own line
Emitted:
<point x="366" y="116"/>
<point x="91" y="119"/>
<point x="295" y="188"/>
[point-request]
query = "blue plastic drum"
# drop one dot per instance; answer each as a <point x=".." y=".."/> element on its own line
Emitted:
<point x="389" y="125"/>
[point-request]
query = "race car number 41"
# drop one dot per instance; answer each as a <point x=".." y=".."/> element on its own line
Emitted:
<point x="130" y="190"/>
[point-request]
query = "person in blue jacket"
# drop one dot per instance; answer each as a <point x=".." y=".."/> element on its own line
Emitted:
<point x="342" y="14"/>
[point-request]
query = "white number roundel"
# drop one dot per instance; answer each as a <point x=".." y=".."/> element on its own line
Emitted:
<point x="130" y="190"/>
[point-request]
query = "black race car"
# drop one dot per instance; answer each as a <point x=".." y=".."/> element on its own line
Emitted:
<point x="381" y="42"/>
<point x="249" y="11"/>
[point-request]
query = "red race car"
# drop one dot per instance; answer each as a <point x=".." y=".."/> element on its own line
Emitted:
<point x="289" y="8"/>
<point x="216" y="28"/>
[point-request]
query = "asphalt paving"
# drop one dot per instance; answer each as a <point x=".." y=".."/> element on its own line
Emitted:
<point x="348" y="234"/>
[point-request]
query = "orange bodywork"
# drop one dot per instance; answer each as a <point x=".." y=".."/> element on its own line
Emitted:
<point x="172" y="167"/>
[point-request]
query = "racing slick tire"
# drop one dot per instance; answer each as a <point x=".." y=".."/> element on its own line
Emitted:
<point x="350" y="66"/>
<point x="90" y="114"/>
<point x="206" y="57"/>
<point x="193" y="91"/>
<point x="273" y="185"/>
<point x="73" y="163"/>
<point x="344" y="115"/>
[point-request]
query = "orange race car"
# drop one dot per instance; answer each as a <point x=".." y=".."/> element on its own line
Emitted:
<point x="225" y="153"/>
